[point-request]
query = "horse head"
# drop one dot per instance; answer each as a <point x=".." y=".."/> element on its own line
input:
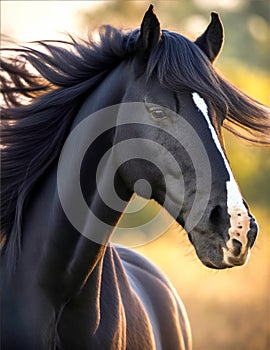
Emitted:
<point x="174" y="136"/>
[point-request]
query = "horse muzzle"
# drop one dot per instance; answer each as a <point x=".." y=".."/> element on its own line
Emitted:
<point x="232" y="248"/>
<point x="241" y="240"/>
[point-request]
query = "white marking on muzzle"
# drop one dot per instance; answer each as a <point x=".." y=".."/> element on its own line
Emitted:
<point x="239" y="219"/>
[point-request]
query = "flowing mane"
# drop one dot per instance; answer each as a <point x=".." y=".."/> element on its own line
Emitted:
<point x="42" y="90"/>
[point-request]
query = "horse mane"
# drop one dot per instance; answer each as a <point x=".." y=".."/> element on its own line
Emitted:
<point x="42" y="90"/>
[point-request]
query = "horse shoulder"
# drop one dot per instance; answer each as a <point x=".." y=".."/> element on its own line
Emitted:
<point x="163" y="306"/>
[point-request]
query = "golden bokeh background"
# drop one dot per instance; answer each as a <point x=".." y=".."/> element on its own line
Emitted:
<point x="229" y="309"/>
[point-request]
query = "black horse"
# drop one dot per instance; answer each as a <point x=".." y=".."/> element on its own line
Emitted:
<point x="82" y="128"/>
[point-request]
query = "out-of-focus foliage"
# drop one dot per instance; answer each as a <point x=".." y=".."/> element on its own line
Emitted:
<point x="246" y="22"/>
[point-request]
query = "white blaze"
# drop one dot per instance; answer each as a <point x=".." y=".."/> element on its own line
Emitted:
<point x="234" y="198"/>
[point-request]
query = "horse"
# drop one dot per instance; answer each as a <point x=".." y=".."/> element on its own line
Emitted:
<point x="85" y="124"/>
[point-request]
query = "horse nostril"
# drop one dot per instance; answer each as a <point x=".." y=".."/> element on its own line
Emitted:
<point x="252" y="234"/>
<point x="237" y="247"/>
<point x="215" y="215"/>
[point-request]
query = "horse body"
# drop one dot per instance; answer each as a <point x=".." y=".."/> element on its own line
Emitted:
<point x="63" y="285"/>
<point x="80" y="294"/>
<point x="131" y="318"/>
<point x="93" y="306"/>
<point x="111" y="311"/>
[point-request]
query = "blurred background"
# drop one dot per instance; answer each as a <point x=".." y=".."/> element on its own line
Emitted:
<point x="227" y="309"/>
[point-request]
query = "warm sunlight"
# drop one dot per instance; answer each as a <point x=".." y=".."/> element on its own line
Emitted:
<point x="36" y="20"/>
<point x="228" y="309"/>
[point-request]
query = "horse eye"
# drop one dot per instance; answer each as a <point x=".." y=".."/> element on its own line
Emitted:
<point x="158" y="114"/>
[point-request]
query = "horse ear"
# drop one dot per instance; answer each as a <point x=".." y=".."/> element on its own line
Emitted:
<point x="149" y="34"/>
<point x="210" y="42"/>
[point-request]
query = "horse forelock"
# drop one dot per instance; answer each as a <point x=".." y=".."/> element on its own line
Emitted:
<point x="181" y="66"/>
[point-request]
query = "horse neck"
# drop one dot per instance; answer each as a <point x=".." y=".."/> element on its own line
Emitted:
<point x="67" y="255"/>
